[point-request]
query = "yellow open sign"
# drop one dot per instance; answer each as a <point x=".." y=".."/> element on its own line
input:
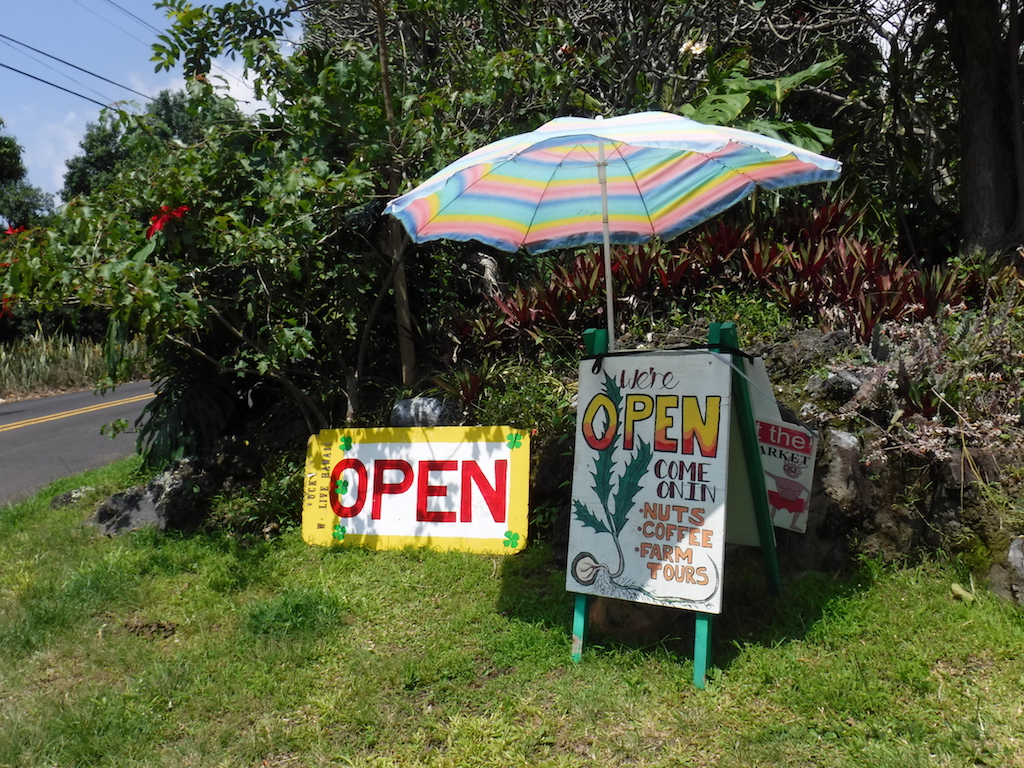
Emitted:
<point x="448" y="488"/>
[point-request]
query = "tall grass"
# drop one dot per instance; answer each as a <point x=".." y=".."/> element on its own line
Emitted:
<point x="38" y="363"/>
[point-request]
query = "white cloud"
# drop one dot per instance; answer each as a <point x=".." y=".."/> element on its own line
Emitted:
<point x="47" y="149"/>
<point x="153" y="82"/>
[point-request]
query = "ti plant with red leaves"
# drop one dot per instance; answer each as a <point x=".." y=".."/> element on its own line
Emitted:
<point x="819" y="263"/>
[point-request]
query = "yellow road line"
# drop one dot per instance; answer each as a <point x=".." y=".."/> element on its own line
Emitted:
<point x="65" y="414"/>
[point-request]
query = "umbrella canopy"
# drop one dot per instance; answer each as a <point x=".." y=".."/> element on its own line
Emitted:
<point x="576" y="181"/>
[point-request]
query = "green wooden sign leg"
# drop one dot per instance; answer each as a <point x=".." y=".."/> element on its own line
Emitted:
<point x="724" y="335"/>
<point x="579" y="626"/>
<point x="595" y="341"/>
<point x="701" y="648"/>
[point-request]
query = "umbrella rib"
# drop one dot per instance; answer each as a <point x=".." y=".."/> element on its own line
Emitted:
<point x="495" y="164"/>
<point x="615" y="148"/>
<point x="540" y="200"/>
<point x="632" y="177"/>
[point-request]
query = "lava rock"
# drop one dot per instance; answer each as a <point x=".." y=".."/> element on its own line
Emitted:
<point x="68" y="498"/>
<point x="1006" y="578"/>
<point x="425" y="412"/>
<point x="175" y="499"/>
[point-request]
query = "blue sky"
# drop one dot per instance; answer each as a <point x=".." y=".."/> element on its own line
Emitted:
<point x="111" y="38"/>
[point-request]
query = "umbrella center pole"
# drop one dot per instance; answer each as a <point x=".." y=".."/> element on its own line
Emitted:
<point x="602" y="179"/>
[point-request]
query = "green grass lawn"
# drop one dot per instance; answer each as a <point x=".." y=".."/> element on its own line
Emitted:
<point x="164" y="650"/>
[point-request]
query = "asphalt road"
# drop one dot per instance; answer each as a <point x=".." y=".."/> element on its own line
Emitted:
<point x="47" y="438"/>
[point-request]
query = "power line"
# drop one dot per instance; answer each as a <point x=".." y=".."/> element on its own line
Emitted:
<point x="108" y="21"/>
<point x="73" y="66"/>
<point x="59" y="87"/>
<point x="126" y="12"/>
<point x="52" y="68"/>
<point x="214" y="65"/>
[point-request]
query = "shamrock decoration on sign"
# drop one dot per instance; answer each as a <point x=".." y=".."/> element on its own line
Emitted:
<point x="345" y="443"/>
<point x="511" y="539"/>
<point x="341" y="487"/>
<point x="515" y="440"/>
<point x="339" y="532"/>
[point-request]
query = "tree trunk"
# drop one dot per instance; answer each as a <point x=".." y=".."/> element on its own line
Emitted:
<point x="1016" y="96"/>
<point x="396" y="239"/>
<point x="988" y="188"/>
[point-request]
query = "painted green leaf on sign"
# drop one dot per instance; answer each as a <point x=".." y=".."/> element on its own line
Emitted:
<point x="604" y="465"/>
<point x="629" y="485"/>
<point x="589" y="519"/>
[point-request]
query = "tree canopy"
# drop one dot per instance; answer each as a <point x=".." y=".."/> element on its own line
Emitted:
<point x="21" y="204"/>
<point x="250" y="251"/>
<point x="107" y="147"/>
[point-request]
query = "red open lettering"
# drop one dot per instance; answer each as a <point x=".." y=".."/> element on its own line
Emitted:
<point x="393" y="477"/>
<point x="380" y="487"/>
<point x="425" y="490"/>
<point x="495" y="497"/>
<point x="354" y="509"/>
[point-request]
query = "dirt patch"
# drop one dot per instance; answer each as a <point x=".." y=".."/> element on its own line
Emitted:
<point x="151" y="630"/>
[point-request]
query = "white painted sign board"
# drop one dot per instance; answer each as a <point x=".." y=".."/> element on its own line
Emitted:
<point x="650" y="477"/>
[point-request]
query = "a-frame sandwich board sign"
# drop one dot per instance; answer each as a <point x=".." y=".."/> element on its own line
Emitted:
<point x="667" y="470"/>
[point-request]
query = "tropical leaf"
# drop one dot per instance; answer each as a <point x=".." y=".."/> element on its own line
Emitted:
<point x="585" y="516"/>
<point x="717" y="108"/>
<point x="778" y="88"/>
<point x="629" y="485"/>
<point x="803" y="135"/>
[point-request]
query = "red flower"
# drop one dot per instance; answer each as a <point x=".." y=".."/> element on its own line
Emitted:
<point x="5" y="301"/>
<point x="159" y="221"/>
<point x="14" y="230"/>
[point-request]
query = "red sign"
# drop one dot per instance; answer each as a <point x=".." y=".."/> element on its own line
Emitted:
<point x="796" y="440"/>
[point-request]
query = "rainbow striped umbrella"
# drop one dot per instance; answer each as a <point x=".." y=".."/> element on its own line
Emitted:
<point x="576" y="181"/>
